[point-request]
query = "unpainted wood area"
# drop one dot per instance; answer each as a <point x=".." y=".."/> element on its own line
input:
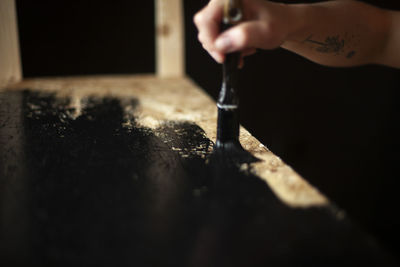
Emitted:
<point x="10" y="66"/>
<point x="170" y="51"/>
<point x="120" y="171"/>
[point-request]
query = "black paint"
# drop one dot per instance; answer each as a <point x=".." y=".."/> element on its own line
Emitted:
<point x="91" y="191"/>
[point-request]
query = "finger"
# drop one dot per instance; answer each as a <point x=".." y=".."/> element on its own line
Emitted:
<point x="217" y="56"/>
<point x="245" y="53"/>
<point x="208" y="21"/>
<point x="248" y="52"/>
<point x="242" y="36"/>
<point x="241" y="63"/>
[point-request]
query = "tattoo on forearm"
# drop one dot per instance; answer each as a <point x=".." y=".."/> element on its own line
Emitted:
<point x="332" y="44"/>
<point x="350" y="54"/>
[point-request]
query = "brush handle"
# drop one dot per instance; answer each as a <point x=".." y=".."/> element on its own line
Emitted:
<point x="228" y="101"/>
<point x="228" y="95"/>
<point x="233" y="14"/>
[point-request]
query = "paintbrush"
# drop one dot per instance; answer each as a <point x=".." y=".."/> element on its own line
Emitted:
<point x="228" y="101"/>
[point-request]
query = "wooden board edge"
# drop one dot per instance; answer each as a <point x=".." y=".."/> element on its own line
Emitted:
<point x="180" y="99"/>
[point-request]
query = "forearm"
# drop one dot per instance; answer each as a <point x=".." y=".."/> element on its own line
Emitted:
<point x="340" y="33"/>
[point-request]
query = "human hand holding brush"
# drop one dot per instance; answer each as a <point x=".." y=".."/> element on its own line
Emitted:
<point x="332" y="33"/>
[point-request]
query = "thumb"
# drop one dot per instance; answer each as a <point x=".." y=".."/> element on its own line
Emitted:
<point x="252" y="34"/>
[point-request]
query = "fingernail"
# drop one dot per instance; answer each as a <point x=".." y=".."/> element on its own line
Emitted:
<point x="223" y="43"/>
<point x="216" y="56"/>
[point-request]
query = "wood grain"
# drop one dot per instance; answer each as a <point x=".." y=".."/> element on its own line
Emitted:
<point x="170" y="38"/>
<point x="181" y="100"/>
<point x="10" y="65"/>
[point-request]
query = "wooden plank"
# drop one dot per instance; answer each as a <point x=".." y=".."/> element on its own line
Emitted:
<point x="10" y="64"/>
<point x="170" y="54"/>
<point x="121" y="169"/>
<point x="181" y="99"/>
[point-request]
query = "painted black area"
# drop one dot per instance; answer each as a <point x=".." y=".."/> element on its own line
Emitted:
<point x="99" y="189"/>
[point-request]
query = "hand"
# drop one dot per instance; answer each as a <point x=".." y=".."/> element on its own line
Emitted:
<point x="265" y="25"/>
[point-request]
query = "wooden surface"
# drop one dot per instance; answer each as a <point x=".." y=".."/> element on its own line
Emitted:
<point x="180" y="99"/>
<point x="10" y="66"/>
<point x="170" y="50"/>
<point x="121" y="171"/>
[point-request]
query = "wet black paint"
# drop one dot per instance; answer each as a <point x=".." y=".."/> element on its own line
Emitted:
<point x="97" y="190"/>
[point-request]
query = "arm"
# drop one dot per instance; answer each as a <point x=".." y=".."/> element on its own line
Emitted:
<point x="333" y="33"/>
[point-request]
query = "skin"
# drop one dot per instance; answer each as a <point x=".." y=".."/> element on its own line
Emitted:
<point x="334" y="33"/>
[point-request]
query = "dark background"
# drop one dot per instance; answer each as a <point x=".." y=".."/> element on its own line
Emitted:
<point x="337" y="127"/>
